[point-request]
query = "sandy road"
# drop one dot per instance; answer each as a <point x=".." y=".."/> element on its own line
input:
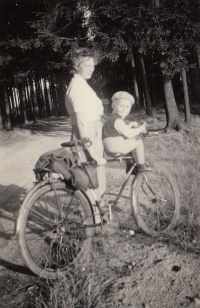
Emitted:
<point x="17" y="160"/>
<point x="163" y="275"/>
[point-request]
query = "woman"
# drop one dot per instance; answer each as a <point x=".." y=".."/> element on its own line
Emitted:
<point x="86" y="110"/>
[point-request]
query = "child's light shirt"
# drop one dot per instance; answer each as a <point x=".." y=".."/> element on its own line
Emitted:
<point x="80" y="97"/>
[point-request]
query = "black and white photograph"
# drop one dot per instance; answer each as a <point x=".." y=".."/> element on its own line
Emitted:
<point x="99" y="154"/>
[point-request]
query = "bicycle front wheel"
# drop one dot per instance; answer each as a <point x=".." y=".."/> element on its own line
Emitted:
<point x="155" y="200"/>
<point x="52" y="229"/>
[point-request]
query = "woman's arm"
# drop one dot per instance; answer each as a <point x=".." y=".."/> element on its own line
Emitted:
<point x="84" y="133"/>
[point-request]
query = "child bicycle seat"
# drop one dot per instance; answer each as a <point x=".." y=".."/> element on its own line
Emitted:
<point x="115" y="155"/>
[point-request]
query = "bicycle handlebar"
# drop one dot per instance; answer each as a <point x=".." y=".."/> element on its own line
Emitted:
<point x="83" y="141"/>
<point x="152" y="133"/>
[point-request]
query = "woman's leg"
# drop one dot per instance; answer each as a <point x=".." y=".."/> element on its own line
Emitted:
<point x="84" y="157"/>
<point x="95" y="129"/>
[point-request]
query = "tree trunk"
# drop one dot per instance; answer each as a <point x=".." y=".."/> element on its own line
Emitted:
<point x="16" y="102"/>
<point x="1" y="119"/>
<point x="186" y="96"/>
<point x="7" y="113"/>
<point x="148" y="106"/>
<point x="1" y="107"/>
<point x="198" y="55"/>
<point x="33" y="100"/>
<point x="54" y="96"/>
<point x="46" y="97"/>
<point x="22" y="104"/>
<point x="173" y="119"/>
<point x="41" y="89"/>
<point x="61" y="90"/>
<point x="198" y="75"/>
<point x="12" y="105"/>
<point x="155" y="3"/>
<point x="38" y="96"/>
<point x="28" y="99"/>
<point x="153" y="83"/>
<point x="136" y="91"/>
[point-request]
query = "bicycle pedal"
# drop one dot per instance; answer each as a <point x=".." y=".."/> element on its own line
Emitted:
<point x="98" y="231"/>
<point x="110" y="224"/>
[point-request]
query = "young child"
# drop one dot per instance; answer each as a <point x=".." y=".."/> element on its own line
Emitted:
<point x="119" y="137"/>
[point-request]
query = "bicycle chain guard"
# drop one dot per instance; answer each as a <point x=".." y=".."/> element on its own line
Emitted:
<point x="110" y="226"/>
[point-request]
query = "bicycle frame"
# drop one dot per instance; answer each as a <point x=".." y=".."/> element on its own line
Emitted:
<point x="114" y="203"/>
<point x="77" y="148"/>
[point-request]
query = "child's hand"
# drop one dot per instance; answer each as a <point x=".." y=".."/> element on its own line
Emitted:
<point x="133" y="124"/>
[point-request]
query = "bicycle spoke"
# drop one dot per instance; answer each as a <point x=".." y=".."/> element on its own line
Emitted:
<point x="155" y="202"/>
<point x="55" y="237"/>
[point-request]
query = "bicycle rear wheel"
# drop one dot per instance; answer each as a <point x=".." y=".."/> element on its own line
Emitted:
<point x="52" y="229"/>
<point x="155" y="200"/>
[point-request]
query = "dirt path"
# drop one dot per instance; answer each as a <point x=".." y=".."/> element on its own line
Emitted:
<point x="19" y="152"/>
<point x="154" y="274"/>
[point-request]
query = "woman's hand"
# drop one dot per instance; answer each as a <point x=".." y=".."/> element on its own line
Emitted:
<point x="101" y="161"/>
<point x="104" y="119"/>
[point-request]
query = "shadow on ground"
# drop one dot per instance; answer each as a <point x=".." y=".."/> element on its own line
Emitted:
<point x="16" y="268"/>
<point x="50" y="127"/>
<point x="11" y="197"/>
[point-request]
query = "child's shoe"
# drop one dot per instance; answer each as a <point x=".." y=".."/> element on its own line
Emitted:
<point x="144" y="168"/>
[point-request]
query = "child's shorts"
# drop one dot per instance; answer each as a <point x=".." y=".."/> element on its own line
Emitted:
<point x="121" y="145"/>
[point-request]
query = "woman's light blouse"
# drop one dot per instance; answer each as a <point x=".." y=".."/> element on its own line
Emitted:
<point x="80" y="97"/>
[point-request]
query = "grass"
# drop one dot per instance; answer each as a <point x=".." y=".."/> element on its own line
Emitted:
<point x="81" y="287"/>
<point x="179" y="152"/>
<point x="100" y="284"/>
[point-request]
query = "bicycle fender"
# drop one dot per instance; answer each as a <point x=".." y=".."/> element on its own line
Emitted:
<point x="28" y="196"/>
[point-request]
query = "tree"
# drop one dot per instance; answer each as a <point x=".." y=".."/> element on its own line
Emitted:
<point x="35" y="42"/>
<point x="186" y="95"/>
<point x="169" y="27"/>
<point x="110" y="24"/>
<point x="184" y="35"/>
<point x="132" y="38"/>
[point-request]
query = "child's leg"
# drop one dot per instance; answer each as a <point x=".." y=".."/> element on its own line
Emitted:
<point x="125" y="146"/>
<point x="139" y="150"/>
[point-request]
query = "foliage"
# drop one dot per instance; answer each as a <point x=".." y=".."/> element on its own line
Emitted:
<point x="169" y="31"/>
<point x="46" y="31"/>
<point x="41" y="33"/>
<point x="37" y="38"/>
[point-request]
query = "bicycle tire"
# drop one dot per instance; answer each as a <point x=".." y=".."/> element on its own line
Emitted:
<point x="155" y="200"/>
<point x="47" y="245"/>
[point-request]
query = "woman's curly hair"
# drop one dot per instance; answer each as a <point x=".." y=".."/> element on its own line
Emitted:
<point x="78" y="54"/>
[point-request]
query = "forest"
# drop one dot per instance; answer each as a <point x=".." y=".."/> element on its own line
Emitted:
<point x="150" y="48"/>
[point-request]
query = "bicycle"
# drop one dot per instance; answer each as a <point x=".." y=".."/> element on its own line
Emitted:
<point x="56" y="223"/>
